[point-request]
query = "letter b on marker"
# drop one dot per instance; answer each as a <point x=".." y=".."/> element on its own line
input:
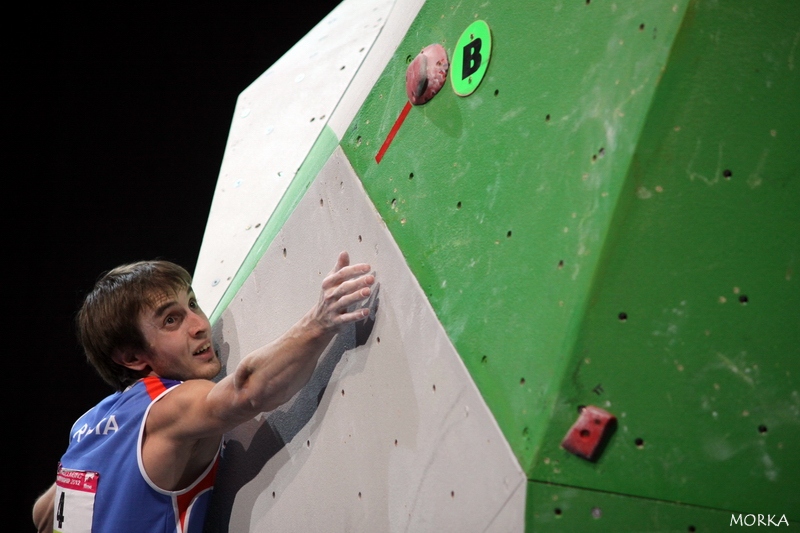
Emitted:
<point x="472" y="59"/>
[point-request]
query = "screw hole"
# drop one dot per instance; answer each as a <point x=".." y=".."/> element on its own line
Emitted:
<point x="284" y="252"/>
<point x="623" y="317"/>
<point x="762" y="429"/>
<point x="342" y="392"/>
<point x="452" y="494"/>
<point x="273" y="493"/>
<point x="484" y="360"/>
<point x="585" y="433"/>
<point x="547" y="118"/>
<point x="378" y="340"/>
<point x="522" y="381"/>
<point x="561" y="264"/>
<point x="639" y="442"/>
<point x="727" y="174"/>
<point x="395" y="442"/>
<point x="692" y="529"/>
<point x="743" y="299"/>
<point x="641" y="27"/>
<point x="411" y="176"/>
<point x="434" y="387"/>
<point x="508" y="235"/>
<point x="496" y="92"/>
<point x="557" y="511"/>
<point x="458" y="205"/>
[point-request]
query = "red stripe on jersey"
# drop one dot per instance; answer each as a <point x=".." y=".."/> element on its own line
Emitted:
<point x="186" y="499"/>
<point x="154" y="386"/>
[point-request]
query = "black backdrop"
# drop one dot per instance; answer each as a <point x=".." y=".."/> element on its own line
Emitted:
<point x="116" y="123"/>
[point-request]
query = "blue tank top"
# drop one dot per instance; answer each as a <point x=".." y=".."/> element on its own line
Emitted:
<point x="102" y="486"/>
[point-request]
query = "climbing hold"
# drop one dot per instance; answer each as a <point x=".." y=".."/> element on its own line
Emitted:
<point x="426" y="74"/>
<point x="589" y="434"/>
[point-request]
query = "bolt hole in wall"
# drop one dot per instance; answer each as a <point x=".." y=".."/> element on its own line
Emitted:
<point x="458" y="205"/>
<point x="411" y="176"/>
<point x="561" y="264"/>
<point x="622" y="316"/>
<point x="743" y="299"/>
<point x="522" y="381"/>
<point x="547" y="118"/>
<point x="508" y="235"/>
<point x="762" y="429"/>
<point x="727" y="174"/>
<point x="639" y="443"/>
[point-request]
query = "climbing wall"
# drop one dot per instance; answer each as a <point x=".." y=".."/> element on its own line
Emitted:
<point x="597" y="213"/>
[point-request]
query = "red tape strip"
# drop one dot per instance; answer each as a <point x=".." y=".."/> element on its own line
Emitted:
<point x="393" y="132"/>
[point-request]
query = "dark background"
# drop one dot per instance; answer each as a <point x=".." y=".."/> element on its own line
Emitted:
<point x="116" y="127"/>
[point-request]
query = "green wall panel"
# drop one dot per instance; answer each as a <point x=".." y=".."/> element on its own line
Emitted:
<point x="558" y="509"/>
<point x="705" y="368"/>
<point x="619" y="157"/>
<point x="501" y="201"/>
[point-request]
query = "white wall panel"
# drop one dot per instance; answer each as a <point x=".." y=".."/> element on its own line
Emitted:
<point x="276" y="122"/>
<point x="390" y="435"/>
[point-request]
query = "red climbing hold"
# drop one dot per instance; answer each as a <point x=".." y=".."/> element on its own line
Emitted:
<point x="426" y="74"/>
<point x="589" y="434"/>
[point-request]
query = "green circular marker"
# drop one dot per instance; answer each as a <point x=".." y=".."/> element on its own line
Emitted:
<point x="470" y="58"/>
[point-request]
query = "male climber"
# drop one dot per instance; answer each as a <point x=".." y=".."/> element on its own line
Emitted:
<point x="144" y="458"/>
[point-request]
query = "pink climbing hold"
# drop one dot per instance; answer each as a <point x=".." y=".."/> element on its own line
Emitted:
<point x="426" y="74"/>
